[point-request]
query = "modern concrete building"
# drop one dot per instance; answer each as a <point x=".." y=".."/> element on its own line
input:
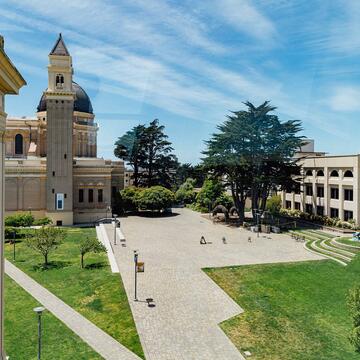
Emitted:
<point x="329" y="185"/>
<point x="52" y="168"/>
<point x="10" y="83"/>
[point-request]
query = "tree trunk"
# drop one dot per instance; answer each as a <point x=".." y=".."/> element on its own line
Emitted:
<point x="82" y="261"/>
<point x="136" y="175"/>
<point x="46" y="260"/>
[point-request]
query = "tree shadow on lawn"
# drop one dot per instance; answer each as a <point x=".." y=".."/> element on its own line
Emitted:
<point x="97" y="265"/>
<point x="51" y="265"/>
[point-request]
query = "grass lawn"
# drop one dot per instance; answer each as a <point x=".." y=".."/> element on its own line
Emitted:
<point x="58" y="341"/>
<point x="94" y="291"/>
<point x="292" y="311"/>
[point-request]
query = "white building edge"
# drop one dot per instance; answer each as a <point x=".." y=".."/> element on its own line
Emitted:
<point x="329" y="185"/>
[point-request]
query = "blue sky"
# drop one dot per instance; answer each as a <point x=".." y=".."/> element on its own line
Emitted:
<point x="189" y="62"/>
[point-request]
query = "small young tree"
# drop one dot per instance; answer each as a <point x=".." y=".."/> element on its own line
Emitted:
<point x="353" y="301"/>
<point x="87" y="245"/>
<point x="45" y="240"/>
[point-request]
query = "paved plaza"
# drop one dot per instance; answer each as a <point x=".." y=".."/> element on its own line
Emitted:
<point x="183" y="324"/>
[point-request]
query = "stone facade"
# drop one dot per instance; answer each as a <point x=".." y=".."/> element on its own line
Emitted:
<point x="52" y="167"/>
<point x="10" y="83"/>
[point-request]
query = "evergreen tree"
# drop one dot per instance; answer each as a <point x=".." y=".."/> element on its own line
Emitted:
<point x="131" y="148"/>
<point x="253" y="153"/>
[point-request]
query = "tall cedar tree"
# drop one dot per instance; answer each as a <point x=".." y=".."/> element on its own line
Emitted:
<point x="131" y="148"/>
<point x="158" y="165"/>
<point x="253" y="152"/>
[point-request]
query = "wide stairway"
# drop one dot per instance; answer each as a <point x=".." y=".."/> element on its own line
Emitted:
<point x="337" y="248"/>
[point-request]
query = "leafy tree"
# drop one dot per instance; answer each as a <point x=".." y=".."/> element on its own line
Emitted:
<point x="45" y="240"/>
<point x="353" y="300"/>
<point x="131" y="148"/>
<point x="211" y="190"/>
<point x="253" y="152"/>
<point x="273" y="205"/>
<point x="128" y="198"/>
<point x="155" y="198"/>
<point x="186" y="194"/>
<point x="90" y="244"/>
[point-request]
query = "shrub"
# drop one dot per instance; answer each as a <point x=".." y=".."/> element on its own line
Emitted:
<point x="128" y="198"/>
<point x="17" y="220"/>
<point x="42" y="221"/>
<point x="324" y="220"/>
<point x="186" y="194"/>
<point x="154" y="198"/>
<point x="10" y="231"/>
<point x="273" y="205"/>
<point x="225" y="200"/>
<point x="210" y="191"/>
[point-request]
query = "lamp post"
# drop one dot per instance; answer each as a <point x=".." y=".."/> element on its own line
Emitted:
<point x="136" y="255"/>
<point x="115" y="219"/>
<point x="39" y="310"/>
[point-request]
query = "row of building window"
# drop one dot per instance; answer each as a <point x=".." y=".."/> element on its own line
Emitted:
<point x="334" y="192"/>
<point x="334" y="173"/>
<point x="334" y="212"/>
<point x="100" y="195"/>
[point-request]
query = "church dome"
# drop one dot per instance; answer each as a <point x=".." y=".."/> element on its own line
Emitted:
<point x="82" y="102"/>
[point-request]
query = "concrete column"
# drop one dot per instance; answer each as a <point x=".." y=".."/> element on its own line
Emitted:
<point x="341" y="196"/>
<point x="314" y="197"/>
<point x="2" y="208"/>
<point x="326" y="192"/>
<point x="356" y="187"/>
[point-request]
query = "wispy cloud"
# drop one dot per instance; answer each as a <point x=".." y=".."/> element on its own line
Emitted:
<point x="345" y="99"/>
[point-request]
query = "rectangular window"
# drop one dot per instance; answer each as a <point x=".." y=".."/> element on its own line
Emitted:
<point x="320" y="210"/>
<point x="348" y="215"/>
<point x="100" y="195"/>
<point x="81" y="195"/>
<point x="113" y="191"/>
<point x="91" y="196"/>
<point x="348" y="194"/>
<point x="309" y="189"/>
<point x="320" y="191"/>
<point x="334" y="193"/>
<point x="297" y="188"/>
<point x="288" y="204"/>
<point x="334" y="213"/>
<point x="59" y="198"/>
<point x="309" y="208"/>
<point x="297" y="205"/>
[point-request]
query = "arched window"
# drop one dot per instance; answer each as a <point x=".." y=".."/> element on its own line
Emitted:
<point x="334" y="173"/>
<point x="348" y="173"/>
<point x="320" y="173"/>
<point x="18" y="144"/>
<point x="59" y="81"/>
<point x="308" y="173"/>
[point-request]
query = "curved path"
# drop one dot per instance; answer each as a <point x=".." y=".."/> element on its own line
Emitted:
<point x="101" y="342"/>
<point x="183" y="324"/>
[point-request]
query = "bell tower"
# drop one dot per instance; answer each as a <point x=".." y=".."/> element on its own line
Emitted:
<point x="59" y="98"/>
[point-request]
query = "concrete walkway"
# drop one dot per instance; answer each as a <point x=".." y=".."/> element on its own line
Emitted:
<point x="101" y="342"/>
<point x="183" y="325"/>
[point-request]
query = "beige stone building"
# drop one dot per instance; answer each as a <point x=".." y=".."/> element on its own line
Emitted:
<point x="329" y="185"/>
<point x="10" y="83"/>
<point x="52" y="168"/>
